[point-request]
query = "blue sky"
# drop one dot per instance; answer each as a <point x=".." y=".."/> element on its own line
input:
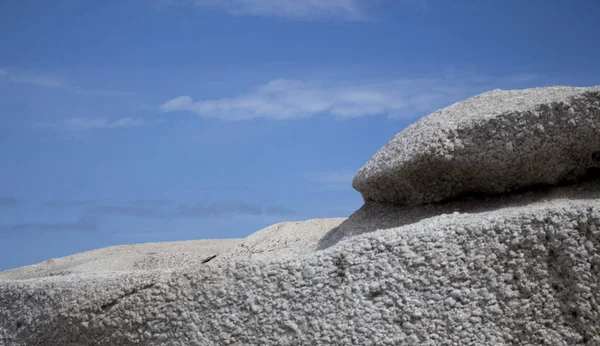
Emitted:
<point x="155" y="120"/>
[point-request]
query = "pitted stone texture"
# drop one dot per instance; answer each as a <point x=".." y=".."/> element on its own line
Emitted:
<point x="373" y="216"/>
<point x="146" y="256"/>
<point x="493" y="143"/>
<point x="523" y="275"/>
<point x="283" y="239"/>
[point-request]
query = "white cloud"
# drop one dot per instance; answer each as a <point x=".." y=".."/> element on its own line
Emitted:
<point x="396" y="98"/>
<point x="287" y="99"/>
<point x="104" y="123"/>
<point x="291" y="9"/>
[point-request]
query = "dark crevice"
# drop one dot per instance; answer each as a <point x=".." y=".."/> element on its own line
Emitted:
<point x="591" y="174"/>
<point x="132" y="292"/>
<point x="209" y="258"/>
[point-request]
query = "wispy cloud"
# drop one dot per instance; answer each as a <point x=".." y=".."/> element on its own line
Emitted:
<point x="352" y="10"/>
<point x="162" y="208"/>
<point x="130" y="211"/>
<point x="9" y="202"/>
<point x="149" y="202"/>
<point x="59" y="203"/>
<point x="84" y="224"/>
<point x="37" y="80"/>
<point x="87" y="124"/>
<point x="52" y="80"/>
<point x="239" y="208"/>
<point x="289" y="99"/>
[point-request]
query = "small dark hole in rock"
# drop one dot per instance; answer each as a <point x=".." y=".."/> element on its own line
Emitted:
<point x="375" y="294"/>
<point x="591" y="174"/>
<point x="19" y="324"/>
<point x="596" y="155"/>
<point x="551" y="253"/>
<point x="585" y="340"/>
<point x="555" y="287"/>
<point x="574" y="314"/>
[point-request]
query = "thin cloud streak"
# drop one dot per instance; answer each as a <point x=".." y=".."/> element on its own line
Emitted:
<point x="84" y="224"/>
<point x="52" y="81"/>
<point x="147" y="202"/>
<point x="88" y="124"/>
<point x="239" y="208"/>
<point x="130" y="211"/>
<point x="350" y="10"/>
<point x="166" y="209"/>
<point x="41" y="81"/>
<point x="59" y="203"/>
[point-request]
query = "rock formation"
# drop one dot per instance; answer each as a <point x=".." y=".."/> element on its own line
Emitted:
<point x="147" y="256"/>
<point x="493" y="143"/>
<point x="481" y="226"/>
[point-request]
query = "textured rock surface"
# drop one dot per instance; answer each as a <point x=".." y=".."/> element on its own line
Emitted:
<point x="282" y="239"/>
<point x="528" y="274"/>
<point x="373" y="216"/>
<point x="492" y="143"/>
<point x="177" y="254"/>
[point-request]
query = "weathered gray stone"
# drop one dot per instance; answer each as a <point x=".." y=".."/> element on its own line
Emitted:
<point x="146" y="256"/>
<point x="493" y="143"/>
<point x="527" y="274"/>
<point x="281" y="239"/>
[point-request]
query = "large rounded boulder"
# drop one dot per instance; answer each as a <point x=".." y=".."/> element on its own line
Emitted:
<point x="496" y="142"/>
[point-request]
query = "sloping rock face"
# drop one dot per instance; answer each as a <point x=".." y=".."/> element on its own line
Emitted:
<point x="493" y="143"/>
<point x="148" y="256"/>
<point x="281" y="239"/>
<point x="523" y="275"/>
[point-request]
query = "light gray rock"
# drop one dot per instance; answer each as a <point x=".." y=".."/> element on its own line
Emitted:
<point x="527" y="274"/>
<point x="146" y="256"/>
<point x="373" y="216"/>
<point x="284" y="239"/>
<point x="493" y="143"/>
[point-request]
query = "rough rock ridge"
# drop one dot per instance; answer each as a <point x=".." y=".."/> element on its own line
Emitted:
<point x="495" y="269"/>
